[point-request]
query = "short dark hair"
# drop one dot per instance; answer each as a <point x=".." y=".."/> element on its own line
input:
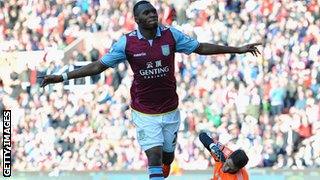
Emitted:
<point x="135" y="7"/>
<point x="239" y="158"/>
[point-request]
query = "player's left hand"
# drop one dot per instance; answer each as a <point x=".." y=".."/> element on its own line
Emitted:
<point x="215" y="149"/>
<point x="250" y="48"/>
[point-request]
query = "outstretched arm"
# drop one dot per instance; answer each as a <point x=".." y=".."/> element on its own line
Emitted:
<point x="215" y="148"/>
<point x="210" y="49"/>
<point x="89" y="70"/>
<point x="187" y="45"/>
<point x="115" y="56"/>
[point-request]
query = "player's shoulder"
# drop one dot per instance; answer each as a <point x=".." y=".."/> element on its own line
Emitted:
<point x="176" y="31"/>
<point x="164" y="28"/>
<point x="132" y="33"/>
<point x="167" y="29"/>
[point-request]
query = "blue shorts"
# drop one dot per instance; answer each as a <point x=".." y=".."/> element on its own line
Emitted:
<point x="157" y="130"/>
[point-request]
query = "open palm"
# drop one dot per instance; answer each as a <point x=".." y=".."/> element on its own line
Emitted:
<point x="50" y="79"/>
<point x="250" y="48"/>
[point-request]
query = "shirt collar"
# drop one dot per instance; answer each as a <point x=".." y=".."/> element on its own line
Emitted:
<point x="140" y="36"/>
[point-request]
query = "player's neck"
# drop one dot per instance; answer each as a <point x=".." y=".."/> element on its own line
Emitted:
<point x="148" y="33"/>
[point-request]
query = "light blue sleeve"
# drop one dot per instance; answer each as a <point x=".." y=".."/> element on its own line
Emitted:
<point x="184" y="43"/>
<point x="116" y="54"/>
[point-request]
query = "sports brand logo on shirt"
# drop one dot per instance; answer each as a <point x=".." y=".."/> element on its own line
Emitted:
<point x="165" y="50"/>
<point x="140" y="54"/>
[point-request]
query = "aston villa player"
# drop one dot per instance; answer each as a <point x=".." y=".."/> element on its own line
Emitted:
<point x="150" y="52"/>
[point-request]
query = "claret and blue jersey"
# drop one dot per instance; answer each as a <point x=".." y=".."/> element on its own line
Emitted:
<point x="153" y="89"/>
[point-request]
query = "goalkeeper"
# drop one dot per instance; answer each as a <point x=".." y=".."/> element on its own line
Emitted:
<point x="229" y="164"/>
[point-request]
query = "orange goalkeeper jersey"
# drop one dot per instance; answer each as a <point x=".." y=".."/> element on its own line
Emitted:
<point x="218" y="174"/>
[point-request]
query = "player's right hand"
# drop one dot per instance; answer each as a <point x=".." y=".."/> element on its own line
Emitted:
<point x="250" y="48"/>
<point x="50" y="79"/>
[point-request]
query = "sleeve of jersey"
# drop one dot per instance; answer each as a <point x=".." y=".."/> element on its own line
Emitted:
<point x="116" y="54"/>
<point x="184" y="43"/>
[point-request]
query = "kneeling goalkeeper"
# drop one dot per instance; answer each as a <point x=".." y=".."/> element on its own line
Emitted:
<point x="230" y="165"/>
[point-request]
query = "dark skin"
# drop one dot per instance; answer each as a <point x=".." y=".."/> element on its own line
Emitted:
<point x="229" y="167"/>
<point x="146" y="17"/>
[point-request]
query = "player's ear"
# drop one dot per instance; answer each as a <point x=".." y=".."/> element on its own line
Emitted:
<point x="136" y="19"/>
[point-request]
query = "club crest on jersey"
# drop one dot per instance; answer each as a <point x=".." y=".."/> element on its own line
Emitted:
<point x="165" y="50"/>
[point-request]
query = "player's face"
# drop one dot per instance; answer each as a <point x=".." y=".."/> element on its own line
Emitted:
<point x="229" y="167"/>
<point x="147" y="16"/>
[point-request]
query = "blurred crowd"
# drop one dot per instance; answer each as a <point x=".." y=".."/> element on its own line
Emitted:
<point x="269" y="106"/>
